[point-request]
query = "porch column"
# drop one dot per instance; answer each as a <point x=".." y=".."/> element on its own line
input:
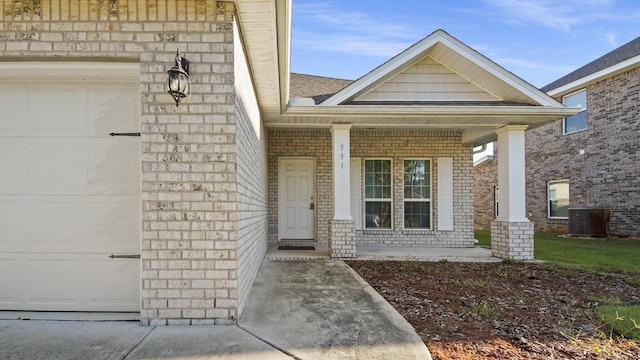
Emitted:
<point x="342" y="233"/>
<point x="512" y="232"/>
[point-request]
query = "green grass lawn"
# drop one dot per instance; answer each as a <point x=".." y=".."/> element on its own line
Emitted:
<point x="594" y="255"/>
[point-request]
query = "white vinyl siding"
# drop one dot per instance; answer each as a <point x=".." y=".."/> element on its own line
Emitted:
<point x="427" y="80"/>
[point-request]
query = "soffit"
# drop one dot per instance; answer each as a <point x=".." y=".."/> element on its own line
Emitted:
<point x="265" y="29"/>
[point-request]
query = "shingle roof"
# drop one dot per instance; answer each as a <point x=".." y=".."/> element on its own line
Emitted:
<point x="317" y="87"/>
<point x="624" y="52"/>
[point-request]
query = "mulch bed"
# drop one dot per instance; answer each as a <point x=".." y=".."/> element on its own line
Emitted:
<point x="505" y="310"/>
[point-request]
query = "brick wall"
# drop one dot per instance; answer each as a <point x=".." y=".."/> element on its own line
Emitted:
<point x="252" y="178"/>
<point x="189" y="194"/>
<point x="606" y="175"/>
<point x="390" y="144"/>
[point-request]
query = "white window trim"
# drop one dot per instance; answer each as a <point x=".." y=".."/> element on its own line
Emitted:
<point x="549" y="198"/>
<point x="430" y="199"/>
<point x="366" y="199"/>
<point x="564" y="123"/>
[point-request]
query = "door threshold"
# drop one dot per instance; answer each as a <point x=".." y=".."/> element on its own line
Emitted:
<point x="69" y="316"/>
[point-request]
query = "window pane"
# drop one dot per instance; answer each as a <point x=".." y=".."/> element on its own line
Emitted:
<point x="417" y="215"/>
<point x="559" y="190"/>
<point x="578" y="99"/>
<point x="578" y="121"/>
<point x="377" y="179"/>
<point x="559" y="199"/>
<point x="575" y="122"/>
<point x="378" y="214"/>
<point x="417" y="179"/>
<point x="559" y="208"/>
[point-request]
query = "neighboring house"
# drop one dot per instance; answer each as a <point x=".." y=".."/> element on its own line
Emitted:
<point x="239" y="166"/>
<point x="591" y="159"/>
<point x="485" y="191"/>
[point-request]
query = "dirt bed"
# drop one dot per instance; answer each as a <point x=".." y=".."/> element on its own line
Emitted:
<point x="505" y="311"/>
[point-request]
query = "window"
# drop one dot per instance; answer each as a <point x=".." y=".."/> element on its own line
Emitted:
<point x="417" y="194"/>
<point x="377" y="193"/>
<point x="578" y="121"/>
<point x="558" y="195"/>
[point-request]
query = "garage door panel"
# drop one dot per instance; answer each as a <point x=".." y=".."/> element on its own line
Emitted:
<point x="114" y="167"/>
<point x="58" y="108"/>
<point x="53" y="282"/>
<point x="13" y="102"/>
<point x="116" y="283"/>
<point x="54" y="225"/>
<point x="104" y="235"/>
<point x="9" y="284"/>
<point x="55" y="167"/>
<point x="13" y="169"/>
<point x="9" y="221"/>
<point x="111" y="109"/>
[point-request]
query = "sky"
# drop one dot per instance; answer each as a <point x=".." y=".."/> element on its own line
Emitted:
<point x="537" y="40"/>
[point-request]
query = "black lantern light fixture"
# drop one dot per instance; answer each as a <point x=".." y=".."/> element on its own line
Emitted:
<point x="178" y="84"/>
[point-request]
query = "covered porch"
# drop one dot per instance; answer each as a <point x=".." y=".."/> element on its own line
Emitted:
<point x="349" y="150"/>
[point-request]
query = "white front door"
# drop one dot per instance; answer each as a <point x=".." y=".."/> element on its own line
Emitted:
<point x="296" y="189"/>
<point x="69" y="195"/>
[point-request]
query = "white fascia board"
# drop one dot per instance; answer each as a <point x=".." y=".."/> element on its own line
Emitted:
<point x="427" y="111"/>
<point x="381" y="71"/>
<point x="283" y="20"/>
<point x="503" y="74"/>
<point x="583" y="82"/>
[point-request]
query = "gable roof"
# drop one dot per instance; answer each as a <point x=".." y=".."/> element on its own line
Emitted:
<point x="484" y="79"/>
<point x="620" y="59"/>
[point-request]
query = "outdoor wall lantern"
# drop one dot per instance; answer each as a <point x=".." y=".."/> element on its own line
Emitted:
<point x="178" y="84"/>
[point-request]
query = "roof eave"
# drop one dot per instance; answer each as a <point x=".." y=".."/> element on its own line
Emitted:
<point x="427" y="111"/>
<point x="597" y="76"/>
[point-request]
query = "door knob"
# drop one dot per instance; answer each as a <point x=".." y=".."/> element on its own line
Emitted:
<point x="312" y="206"/>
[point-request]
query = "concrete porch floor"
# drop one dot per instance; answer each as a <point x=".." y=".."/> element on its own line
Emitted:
<point x="474" y="254"/>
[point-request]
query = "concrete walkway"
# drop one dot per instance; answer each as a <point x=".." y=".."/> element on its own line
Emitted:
<point x="323" y="310"/>
<point x="298" y="309"/>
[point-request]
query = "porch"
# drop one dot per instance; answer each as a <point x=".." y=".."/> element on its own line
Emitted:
<point x="470" y="254"/>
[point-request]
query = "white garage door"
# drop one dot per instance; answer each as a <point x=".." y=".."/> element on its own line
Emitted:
<point x="69" y="192"/>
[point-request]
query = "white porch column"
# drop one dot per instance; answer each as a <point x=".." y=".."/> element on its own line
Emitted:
<point x="512" y="232"/>
<point x="342" y="237"/>
<point x="341" y="172"/>
<point x="511" y="174"/>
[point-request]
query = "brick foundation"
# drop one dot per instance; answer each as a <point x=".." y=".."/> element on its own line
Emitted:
<point x="512" y="240"/>
<point x="342" y="239"/>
